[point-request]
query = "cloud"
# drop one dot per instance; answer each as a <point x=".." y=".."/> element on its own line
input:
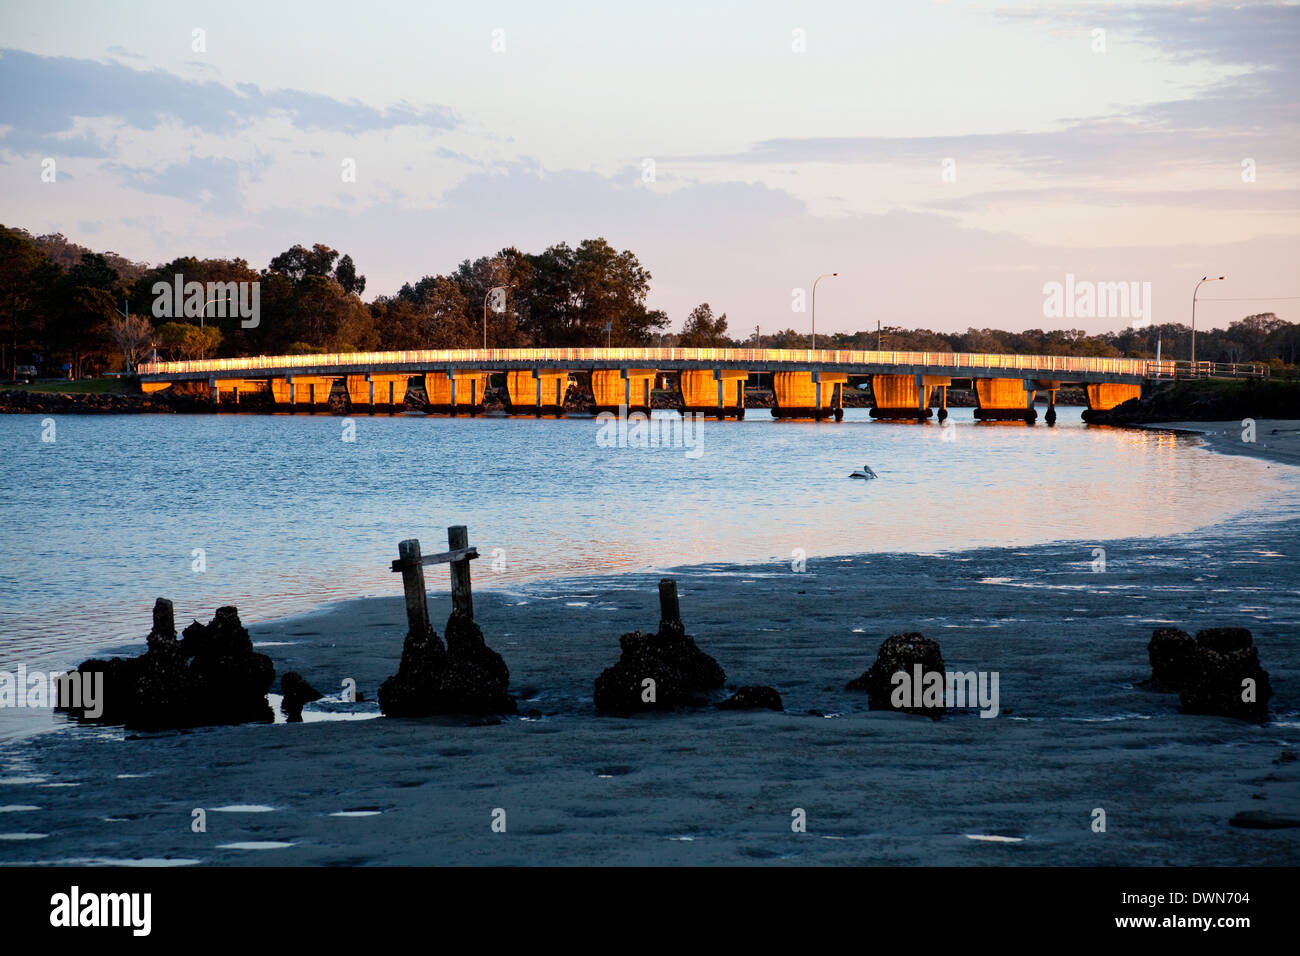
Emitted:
<point x="55" y="91"/>
<point x="1254" y="112"/>
<point x="208" y="180"/>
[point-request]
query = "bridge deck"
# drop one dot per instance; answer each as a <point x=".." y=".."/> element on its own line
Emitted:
<point x="959" y="364"/>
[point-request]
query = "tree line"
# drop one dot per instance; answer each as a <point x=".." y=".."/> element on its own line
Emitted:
<point x="93" y="312"/>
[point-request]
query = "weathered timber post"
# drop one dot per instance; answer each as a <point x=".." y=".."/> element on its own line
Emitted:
<point x="417" y="606"/>
<point x="411" y="564"/>
<point x="164" y="617"/>
<point x="462" y="600"/>
<point x="670" y="613"/>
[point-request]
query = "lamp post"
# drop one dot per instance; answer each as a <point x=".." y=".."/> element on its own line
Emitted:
<point x="1194" y="291"/>
<point x="204" y="311"/>
<point x="502" y="290"/>
<point x="824" y="275"/>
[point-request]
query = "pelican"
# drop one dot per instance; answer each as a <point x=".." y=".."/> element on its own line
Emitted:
<point x="864" y="472"/>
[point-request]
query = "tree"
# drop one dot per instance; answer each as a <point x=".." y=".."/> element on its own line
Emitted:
<point x="346" y="274"/>
<point x="187" y="341"/>
<point x="19" y="261"/>
<point x="133" y="334"/>
<point x="702" y="330"/>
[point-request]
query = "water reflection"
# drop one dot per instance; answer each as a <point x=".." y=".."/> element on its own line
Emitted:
<point x="288" y="516"/>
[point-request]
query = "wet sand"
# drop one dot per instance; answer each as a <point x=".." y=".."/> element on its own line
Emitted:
<point x="1076" y="730"/>
<point x="1275" y="439"/>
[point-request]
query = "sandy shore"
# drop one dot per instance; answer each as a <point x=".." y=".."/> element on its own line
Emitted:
<point x="1076" y="730"/>
<point x="1275" y="439"/>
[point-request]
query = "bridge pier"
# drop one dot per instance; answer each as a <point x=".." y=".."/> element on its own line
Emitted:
<point x="1005" y="400"/>
<point x="388" y="392"/>
<point x="232" y="387"/>
<point x="805" y="395"/>
<point x="629" y="387"/>
<point x="719" y="392"/>
<point x="456" y="390"/>
<point x="906" y="397"/>
<point x="287" y="391"/>
<point x="539" y="391"/>
<point x="1103" y="396"/>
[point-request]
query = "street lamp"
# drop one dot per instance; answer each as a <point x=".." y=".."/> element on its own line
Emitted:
<point x="1194" y="291"/>
<point x="204" y="311"/>
<point x="502" y="290"/>
<point x="824" y="275"/>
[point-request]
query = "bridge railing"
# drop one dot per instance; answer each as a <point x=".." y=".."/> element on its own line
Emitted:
<point x="939" y="361"/>
<point x="1180" y="370"/>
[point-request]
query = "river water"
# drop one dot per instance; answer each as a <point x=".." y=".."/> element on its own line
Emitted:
<point x="280" y="514"/>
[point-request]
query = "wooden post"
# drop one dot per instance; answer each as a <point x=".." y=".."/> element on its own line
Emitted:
<point x="537" y="378"/>
<point x="370" y="382"/>
<point x="461" y="598"/>
<point x="164" y="619"/>
<point x="417" y="606"/>
<point x="669" y="612"/>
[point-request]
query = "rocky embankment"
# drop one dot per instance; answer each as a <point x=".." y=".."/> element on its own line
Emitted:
<point x="17" y="402"/>
<point x="1206" y="401"/>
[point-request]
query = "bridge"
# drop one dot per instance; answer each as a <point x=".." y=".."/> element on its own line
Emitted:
<point x="807" y="383"/>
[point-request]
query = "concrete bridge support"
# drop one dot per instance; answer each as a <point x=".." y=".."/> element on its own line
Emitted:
<point x="906" y="397"/>
<point x="456" y="390"/>
<point x="371" y="391"/>
<point x="230" y="389"/>
<point x="1106" y="395"/>
<point x="1050" y="387"/>
<point x="623" y="386"/>
<point x="537" y="391"/>
<point x="718" y="391"/>
<point x="1005" y="400"/>
<point x="815" y="395"/>
<point x="294" y="391"/>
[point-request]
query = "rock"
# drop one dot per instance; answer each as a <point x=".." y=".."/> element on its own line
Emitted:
<point x="1225" y="640"/>
<point x="212" y="676"/>
<point x="900" y="652"/>
<point x="671" y="659"/>
<point x="464" y="677"/>
<point x="296" y="692"/>
<point x="1223" y="660"/>
<point x="1263" y="820"/>
<point x="1170" y="652"/>
<point x="753" y="698"/>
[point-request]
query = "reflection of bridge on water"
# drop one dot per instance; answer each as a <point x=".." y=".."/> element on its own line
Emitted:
<point x="808" y="383"/>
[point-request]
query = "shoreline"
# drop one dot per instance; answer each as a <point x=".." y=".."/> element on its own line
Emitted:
<point x="1275" y="439"/>
<point x="1075" y="731"/>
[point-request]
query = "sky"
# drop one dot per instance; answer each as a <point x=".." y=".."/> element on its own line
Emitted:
<point x="948" y="160"/>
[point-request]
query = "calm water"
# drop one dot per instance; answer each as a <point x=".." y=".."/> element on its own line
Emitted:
<point x="289" y="516"/>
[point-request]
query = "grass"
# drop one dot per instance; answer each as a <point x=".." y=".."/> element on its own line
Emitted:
<point x="85" y="386"/>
